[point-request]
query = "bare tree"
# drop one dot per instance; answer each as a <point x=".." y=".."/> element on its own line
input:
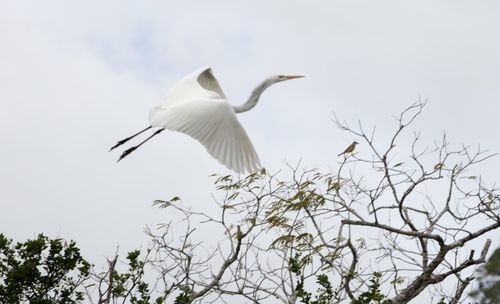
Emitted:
<point x="392" y="221"/>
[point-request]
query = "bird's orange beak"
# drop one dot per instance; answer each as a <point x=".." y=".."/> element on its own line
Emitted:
<point x="287" y="77"/>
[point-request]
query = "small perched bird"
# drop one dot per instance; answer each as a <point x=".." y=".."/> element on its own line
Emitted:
<point x="349" y="149"/>
<point x="197" y="106"/>
<point x="438" y="166"/>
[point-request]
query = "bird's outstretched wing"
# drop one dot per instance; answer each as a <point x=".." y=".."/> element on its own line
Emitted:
<point x="200" y="84"/>
<point x="207" y="80"/>
<point x="214" y="124"/>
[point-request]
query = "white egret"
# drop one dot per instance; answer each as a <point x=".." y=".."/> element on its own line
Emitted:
<point x="197" y="106"/>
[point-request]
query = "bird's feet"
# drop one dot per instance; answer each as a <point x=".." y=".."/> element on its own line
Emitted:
<point x="121" y="142"/>
<point x="126" y="152"/>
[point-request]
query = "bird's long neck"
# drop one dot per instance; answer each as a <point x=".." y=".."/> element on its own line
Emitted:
<point x="254" y="97"/>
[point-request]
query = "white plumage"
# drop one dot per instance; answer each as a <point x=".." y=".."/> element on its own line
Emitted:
<point x="197" y="106"/>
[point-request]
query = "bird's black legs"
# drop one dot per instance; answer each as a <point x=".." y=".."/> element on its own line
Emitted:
<point x="130" y="150"/>
<point x="121" y="142"/>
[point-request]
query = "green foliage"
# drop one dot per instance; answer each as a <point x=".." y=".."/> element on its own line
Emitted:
<point x="442" y="301"/>
<point x="130" y="284"/>
<point x="231" y="185"/>
<point x="41" y="271"/>
<point x="165" y="204"/>
<point x="488" y="289"/>
<point x="492" y="267"/>
<point x="373" y="295"/>
<point x="324" y="294"/>
<point x="183" y="297"/>
<point x="52" y="271"/>
<point x="288" y="213"/>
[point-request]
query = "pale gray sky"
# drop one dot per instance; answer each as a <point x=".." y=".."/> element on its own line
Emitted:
<point x="76" y="76"/>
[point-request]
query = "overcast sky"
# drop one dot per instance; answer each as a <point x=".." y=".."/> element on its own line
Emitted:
<point x="76" y="76"/>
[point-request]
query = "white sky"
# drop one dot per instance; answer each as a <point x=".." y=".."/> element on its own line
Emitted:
<point x="76" y="76"/>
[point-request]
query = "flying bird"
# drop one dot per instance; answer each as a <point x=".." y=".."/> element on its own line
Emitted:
<point x="197" y="106"/>
<point x="349" y="149"/>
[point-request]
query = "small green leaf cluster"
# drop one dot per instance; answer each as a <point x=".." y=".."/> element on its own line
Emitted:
<point x="373" y="295"/>
<point x="488" y="288"/>
<point x="324" y="294"/>
<point x="183" y="297"/>
<point x="131" y="284"/>
<point x="231" y="183"/>
<point x="164" y="204"/>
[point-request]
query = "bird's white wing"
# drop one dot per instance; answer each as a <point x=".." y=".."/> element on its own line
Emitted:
<point x="200" y="84"/>
<point x="207" y="80"/>
<point x="214" y="124"/>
